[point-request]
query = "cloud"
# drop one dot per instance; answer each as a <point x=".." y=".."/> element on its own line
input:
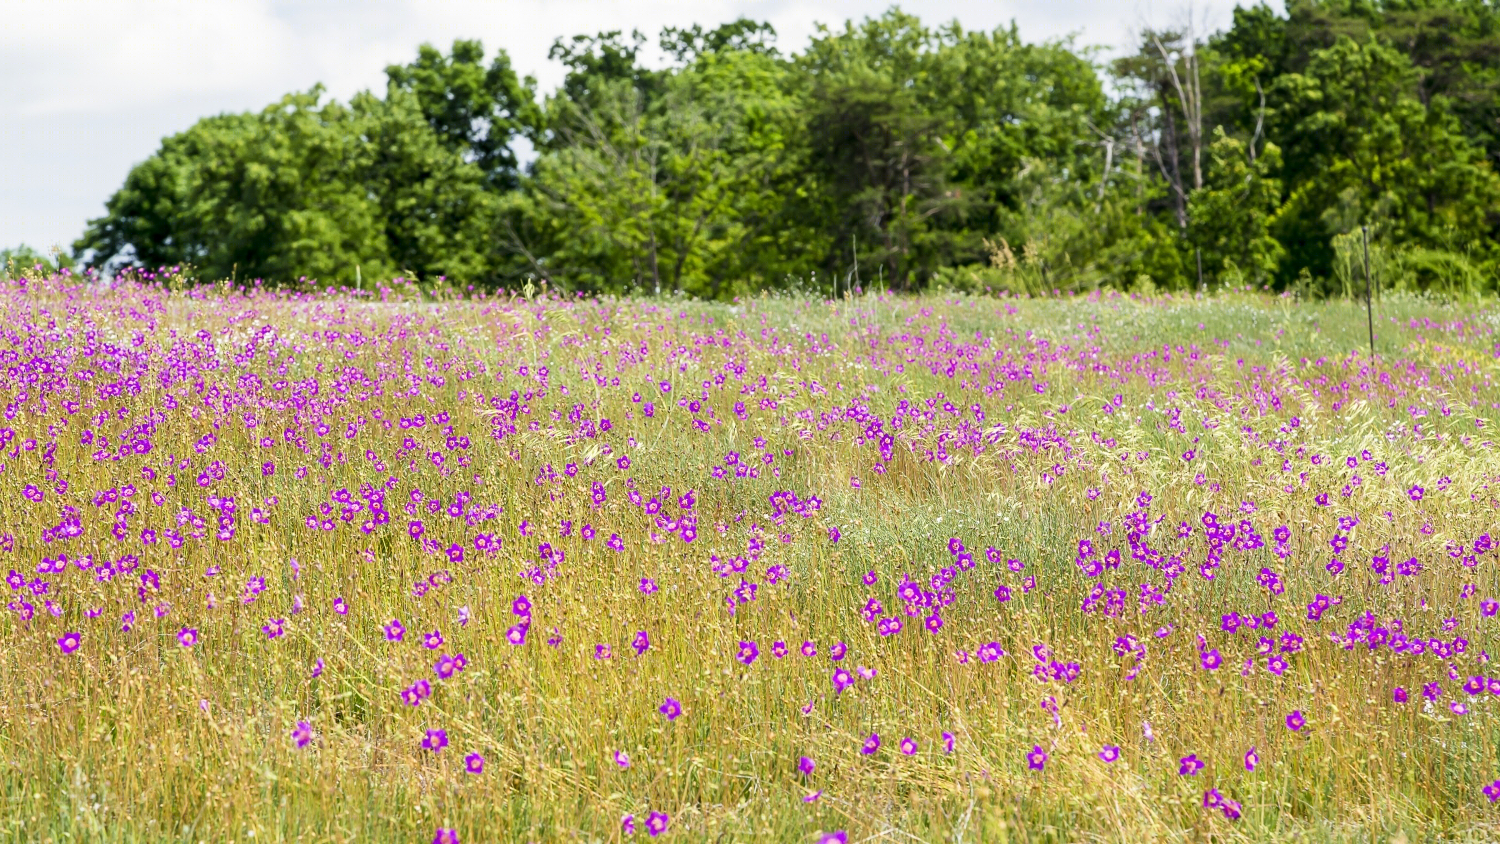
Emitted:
<point x="68" y="57"/>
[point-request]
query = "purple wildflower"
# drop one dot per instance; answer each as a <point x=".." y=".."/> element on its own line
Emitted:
<point x="1036" y="759"/>
<point x="656" y="823"/>
<point x="748" y="652"/>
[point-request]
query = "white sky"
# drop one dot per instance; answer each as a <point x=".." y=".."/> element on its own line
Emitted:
<point x="89" y="88"/>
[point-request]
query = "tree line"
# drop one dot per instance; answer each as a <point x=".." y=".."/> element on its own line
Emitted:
<point x="885" y="153"/>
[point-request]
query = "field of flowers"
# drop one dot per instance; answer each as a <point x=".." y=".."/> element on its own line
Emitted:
<point x="409" y="566"/>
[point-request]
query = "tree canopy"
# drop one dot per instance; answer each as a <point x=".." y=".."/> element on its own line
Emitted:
<point x="885" y="151"/>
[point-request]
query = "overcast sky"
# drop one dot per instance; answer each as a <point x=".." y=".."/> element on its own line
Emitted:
<point x="87" y="89"/>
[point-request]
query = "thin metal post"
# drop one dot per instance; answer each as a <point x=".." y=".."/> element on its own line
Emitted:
<point x="854" y="244"/>
<point x="1364" y="232"/>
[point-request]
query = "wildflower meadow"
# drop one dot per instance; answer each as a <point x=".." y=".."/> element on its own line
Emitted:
<point x="419" y="564"/>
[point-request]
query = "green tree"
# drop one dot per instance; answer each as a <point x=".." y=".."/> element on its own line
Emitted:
<point x="436" y="208"/>
<point x="305" y="188"/>
<point x="914" y="137"/>
<point x="665" y="193"/>
<point x="1232" y="213"/>
<point x="477" y="111"/>
<point x="743" y="35"/>
<point x="1361" y="147"/>
<point x="1164" y="106"/>
<point x="597" y="66"/>
<point x="274" y="196"/>
<point x="146" y="219"/>
<point x="1453" y="45"/>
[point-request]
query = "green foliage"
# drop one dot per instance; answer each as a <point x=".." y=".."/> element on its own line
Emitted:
<point x="1349" y="261"/>
<point x="672" y="191"/>
<point x="1455" y="275"/>
<point x="305" y="188"/>
<point x="1357" y="127"/>
<point x="434" y="206"/>
<point x="885" y="152"/>
<point x="476" y="111"/>
<point x="22" y="259"/>
<point x="595" y="63"/>
<point x="916" y="137"/>
<point x="1230" y="216"/>
<point x="269" y="196"/>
